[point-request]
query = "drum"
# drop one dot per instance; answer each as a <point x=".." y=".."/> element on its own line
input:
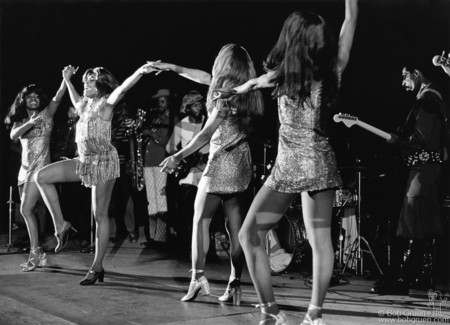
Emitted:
<point x="345" y="198"/>
<point x="287" y="245"/>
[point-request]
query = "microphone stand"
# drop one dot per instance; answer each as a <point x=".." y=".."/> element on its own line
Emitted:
<point x="10" y="202"/>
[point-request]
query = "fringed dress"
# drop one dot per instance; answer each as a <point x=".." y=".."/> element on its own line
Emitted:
<point x="98" y="160"/>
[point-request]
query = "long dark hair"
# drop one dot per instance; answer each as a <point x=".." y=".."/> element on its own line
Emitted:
<point x="18" y="110"/>
<point x="305" y="51"/>
<point x="232" y="67"/>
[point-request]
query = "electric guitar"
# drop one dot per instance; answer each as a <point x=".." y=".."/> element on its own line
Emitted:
<point x="350" y="120"/>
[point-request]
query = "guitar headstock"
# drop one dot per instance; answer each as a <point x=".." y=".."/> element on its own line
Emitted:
<point x="347" y="119"/>
<point x="441" y="60"/>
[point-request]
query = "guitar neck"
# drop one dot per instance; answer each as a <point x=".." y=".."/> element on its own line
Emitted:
<point x="374" y="130"/>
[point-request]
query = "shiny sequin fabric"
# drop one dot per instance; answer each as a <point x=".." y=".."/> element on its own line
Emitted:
<point x="35" y="149"/>
<point x="229" y="164"/>
<point x="305" y="160"/>
<point x="98" y="160"/>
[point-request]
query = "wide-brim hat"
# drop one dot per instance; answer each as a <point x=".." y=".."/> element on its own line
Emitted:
<point x="190" y="98"/>
<point x="161" y="93"/>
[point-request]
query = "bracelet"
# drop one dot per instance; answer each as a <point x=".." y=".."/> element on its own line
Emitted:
<point x="173" y="160"/>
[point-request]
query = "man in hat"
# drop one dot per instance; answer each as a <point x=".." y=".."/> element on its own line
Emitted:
<point x="190" y="171"/>
<point x="156" y="134"/>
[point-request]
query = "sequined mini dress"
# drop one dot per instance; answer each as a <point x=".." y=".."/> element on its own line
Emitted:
<point x="98" y="160"/>
<point x="35" y="149"/>
<point x="305" y="159"/>
<point x="229" y="167"/>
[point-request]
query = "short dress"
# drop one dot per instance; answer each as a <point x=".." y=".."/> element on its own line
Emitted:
<point x="35" y="149"/>
<point x="305" y="159"/>
<point x="98" y="160"/>
<point x="229" y="166"/>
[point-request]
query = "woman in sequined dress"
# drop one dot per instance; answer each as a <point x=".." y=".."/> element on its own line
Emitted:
<point x="229" y="168"/>
<point x="305" y="68"/>
<point x="31" y="116"/>
<point x="97" y="165"/>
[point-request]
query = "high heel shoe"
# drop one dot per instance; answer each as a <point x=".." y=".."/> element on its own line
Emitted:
<point x="232" y="293"/>
<point x="37" y="258"/>
<point x="194" y="288"/>
<point x="63" y="237"/>
<point x="308" y="321"/>
<point x="280" y="318"/>
<point x="92" y="277"/>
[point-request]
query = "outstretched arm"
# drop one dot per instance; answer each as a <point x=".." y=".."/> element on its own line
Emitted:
<point x="196" y="75"/>
<point x="347" y="33"/>
<point x="56" y="100"/>
<point x="120" y="91"/>
<point x="67" y="73"/>
<point x="263" y="81"/>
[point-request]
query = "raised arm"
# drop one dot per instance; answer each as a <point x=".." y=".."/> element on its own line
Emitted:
<point x="347" y="33"/>
<point x="56" y="100"/>
<point x="196" y="75"/>
<point x="67" y="73"/>
<point x="120" y="91"/>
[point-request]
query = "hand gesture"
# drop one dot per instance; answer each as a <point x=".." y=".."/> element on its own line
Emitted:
<point x="224" y="93"/>
<point x="160" y="66"/>
<point x="69" y="71"/>
<point x="35" y="119"/>
<point x="168" y="165"/>
<point x="147" y="68"/>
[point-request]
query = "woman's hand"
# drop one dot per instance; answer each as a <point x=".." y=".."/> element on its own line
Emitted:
<point x="168" y="165"/>
<point x="161" y="66"/>
<point x="69" y="71"/>
<point x="223" y="93"/>
<point x="35" y="119"/>
<point x="148" y="68"/>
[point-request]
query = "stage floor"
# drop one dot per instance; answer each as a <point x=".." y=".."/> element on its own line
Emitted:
<point x="144" y="286"/>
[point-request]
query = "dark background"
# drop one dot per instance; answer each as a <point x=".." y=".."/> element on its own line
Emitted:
<point x="38" y="38"/>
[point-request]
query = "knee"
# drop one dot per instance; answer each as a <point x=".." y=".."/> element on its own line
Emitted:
<point x="244" y="237"/>
<point x="26" y="210"/>
<point x="39" y="177"/>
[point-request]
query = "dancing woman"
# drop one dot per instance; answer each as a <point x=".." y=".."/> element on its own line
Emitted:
<point x="229" y="168"/>
<point x="31" y="116"/>
<point x="97" y="165"/>
<point x="305" y="68"/>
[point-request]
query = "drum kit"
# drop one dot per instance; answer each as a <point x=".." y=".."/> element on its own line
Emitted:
<point x="289" y="235"/>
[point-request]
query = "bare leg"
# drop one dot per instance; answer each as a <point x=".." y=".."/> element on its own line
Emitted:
<point x="61" y="171"/>
<point x="101" y="197"/>
<point x="317" y="212"/>
<point x="266" y="210"/>
<point x="204" y="208"/>
<point x="234" y="219"/>
<point x="28" y="198"/>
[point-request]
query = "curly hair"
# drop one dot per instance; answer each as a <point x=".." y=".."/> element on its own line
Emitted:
<point x="18" y="110"/>
<point x="305" y="51"/>
<point x="232" y="67"/>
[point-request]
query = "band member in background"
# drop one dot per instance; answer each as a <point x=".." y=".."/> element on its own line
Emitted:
<point x="305" y="67"/>
<point x="189" y="176"/>
<point x="97" y="165"/>
<point x="156" y="133"/>
<point x="121" y="208"/>
<point x="31" y="116"/>
<point x="421" y="143"/>
<point x="229" y="169"/>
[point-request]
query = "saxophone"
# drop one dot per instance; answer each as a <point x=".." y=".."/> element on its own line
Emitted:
<point x="137" y="162"/>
